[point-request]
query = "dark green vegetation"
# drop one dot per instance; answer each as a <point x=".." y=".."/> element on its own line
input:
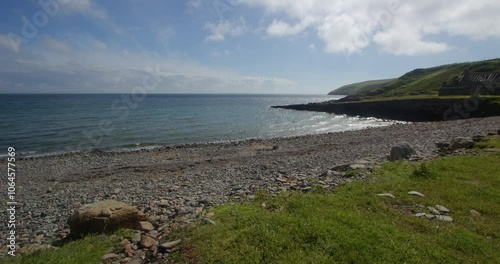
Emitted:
<point x="356" y="88"/>
<point x="353" y="225"/>
<point x="426" y="82"/>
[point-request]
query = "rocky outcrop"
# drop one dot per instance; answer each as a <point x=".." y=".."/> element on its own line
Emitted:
<point x="104" y="217"/>
<point x="414" y="110"/>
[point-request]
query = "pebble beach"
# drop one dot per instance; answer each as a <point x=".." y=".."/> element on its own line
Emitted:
<point x="174" y="182"/>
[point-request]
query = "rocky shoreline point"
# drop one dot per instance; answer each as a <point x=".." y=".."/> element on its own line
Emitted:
<point x="176" y="186"/>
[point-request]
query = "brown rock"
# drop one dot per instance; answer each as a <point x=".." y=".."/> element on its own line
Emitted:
<point x="88" y="218"/>
<point x="145" y="226"/>
<point x="147" y="241"/>
<point x="109" y="257"/>
<point x="129" y="252"/>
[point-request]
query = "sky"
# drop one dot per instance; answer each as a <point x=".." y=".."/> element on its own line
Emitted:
<point x="233" y="46"/>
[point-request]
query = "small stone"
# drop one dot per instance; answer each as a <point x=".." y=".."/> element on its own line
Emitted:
<point x="147" y="241"/>
<point x="210" y="214"/>
<point x="251" y="197"/>
<point x="416" y="193"/>
<point x="357" y="167"/>
<point x="442" y="209"/>
<point x="444" y="218"/>
<point x="38" y="238"/>
<point x="129" y="252"/>
<point x="145" y="226"/>
<point x="263" y="205"/>
<point x="386" y="195"/>
<point x="429" y="216"/>
<point x="199" y="210"/>
<point x="171" y="244"/>
<point x="474" y="212"/>
<point x="209" y="221"/>
<point x="433" y="210"/>
<point x="306" y="189"/>
<point x="420" y="215"/>
<point x="109" y="257"/>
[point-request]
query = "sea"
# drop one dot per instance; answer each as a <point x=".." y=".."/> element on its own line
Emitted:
<point x="46" y="124"/>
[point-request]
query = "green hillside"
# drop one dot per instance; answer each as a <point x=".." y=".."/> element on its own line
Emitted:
<point x="428" y="81"/>
<point x="356" y="88"/>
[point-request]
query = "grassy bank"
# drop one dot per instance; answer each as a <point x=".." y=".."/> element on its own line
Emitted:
<point x="354" y="225"/>
<point x="84" y="251"/>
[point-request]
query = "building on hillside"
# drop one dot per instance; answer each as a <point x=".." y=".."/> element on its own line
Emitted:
<point x="473" y="84"/>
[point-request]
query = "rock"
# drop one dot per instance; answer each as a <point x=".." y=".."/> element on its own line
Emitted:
<point x="108" y="257"/>
<point x="429" y="216"/>
<point x="209" y="221"/>
<point x="106" y="212"/>
<point x="474" y="212"/>
<point x="442" y="145"/>
<point x="38" y="238"/>
<point x="357" y="167"/>
<point x="433" y="210"/>
<point x="171" y="244"/>
<point x="420" y="215"/>
<point x="386" y="195"/>
<point x="147" y="241"/>
<point x="442" y="209"/>
<point x="416" y="193"/>
<point x="401" y="152"/>
<point x="129" y="252"/>
<point x="444" y="218"/>
<point x="461" y="143"/>
<point x="145" y="226"/>
<point x="477" y="138"/>
<point x="88" y="219"/>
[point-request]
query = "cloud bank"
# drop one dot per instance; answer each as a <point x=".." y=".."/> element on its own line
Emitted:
<point x="400" y="27"/>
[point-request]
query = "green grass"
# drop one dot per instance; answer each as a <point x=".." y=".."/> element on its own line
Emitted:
<point x="353" y="225"/>
<point x="84" y="251"/>
<point x="355" y="88"/>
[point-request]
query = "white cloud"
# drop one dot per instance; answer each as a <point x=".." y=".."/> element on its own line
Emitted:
<point x="165" y="34"/>
<point x="279" y="28"/>
<point x="219" y="30"/>
<point x="56" y="45"/>
<point x="399" y="27"/>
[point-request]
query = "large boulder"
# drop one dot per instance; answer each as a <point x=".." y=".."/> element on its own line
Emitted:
<point x="401" y="152"/>
<point x="104" y="217"/>
<point x="461" y="143"/>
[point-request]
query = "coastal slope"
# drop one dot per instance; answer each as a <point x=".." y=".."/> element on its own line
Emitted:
<point x="356" y="88"/>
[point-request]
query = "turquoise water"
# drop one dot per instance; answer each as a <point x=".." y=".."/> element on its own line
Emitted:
<point x="41" y="124"/>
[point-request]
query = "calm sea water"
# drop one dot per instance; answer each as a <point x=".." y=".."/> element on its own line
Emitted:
<point x="41" y="124"/>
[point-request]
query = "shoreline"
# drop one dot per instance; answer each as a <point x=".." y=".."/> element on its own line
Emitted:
<point x="174" y="182"/>
<point x="159" y="146"/>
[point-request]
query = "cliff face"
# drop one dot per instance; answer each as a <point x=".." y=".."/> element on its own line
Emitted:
<point x="417" y="110"/>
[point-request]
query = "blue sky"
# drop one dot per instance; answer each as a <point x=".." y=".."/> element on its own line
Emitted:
<point x="233" y="46"/>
